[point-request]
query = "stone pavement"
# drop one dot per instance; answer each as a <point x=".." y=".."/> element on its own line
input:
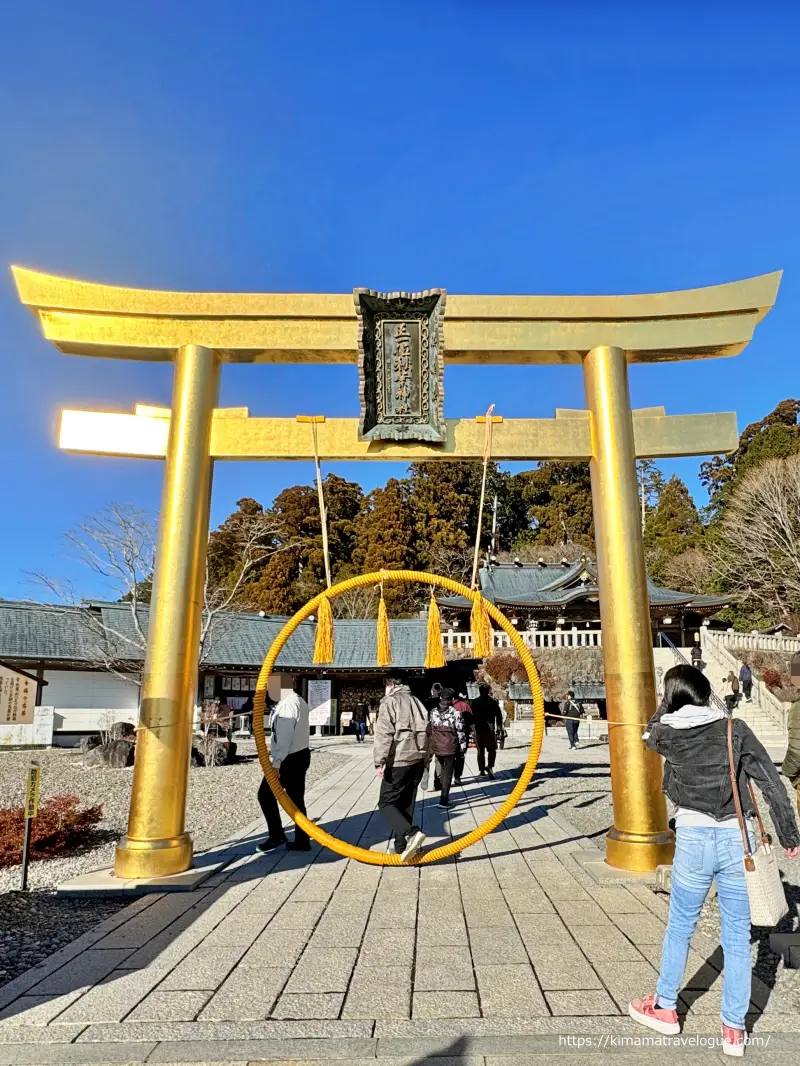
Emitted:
<point x="510" y="955"/>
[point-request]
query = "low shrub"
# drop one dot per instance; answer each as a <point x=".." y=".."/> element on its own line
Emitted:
<point x="771" y="677"/>
<point x="61" y="826"/>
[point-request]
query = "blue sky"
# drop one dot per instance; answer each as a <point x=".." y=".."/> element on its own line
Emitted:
<point x="497" y="147"/>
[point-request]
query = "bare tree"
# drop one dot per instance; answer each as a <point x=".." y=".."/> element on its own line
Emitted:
<point x="249" y="539"/>
<point x="451" y="560"/>
<point x="757" y="549"/>
<point x="118" y="544"/>
<point x="357" y="603"/>
<point x="216" y="730"/>
<point x="690" y="571"/>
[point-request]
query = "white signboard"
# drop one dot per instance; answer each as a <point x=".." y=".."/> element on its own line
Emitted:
<point x="17" y="697"/>
<point x="320" y="704"/>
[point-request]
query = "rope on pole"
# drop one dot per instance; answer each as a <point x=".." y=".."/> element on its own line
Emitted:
<point x="314" y="421"/>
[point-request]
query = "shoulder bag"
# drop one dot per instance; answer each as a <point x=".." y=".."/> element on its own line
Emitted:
<point x="761" y="873"/>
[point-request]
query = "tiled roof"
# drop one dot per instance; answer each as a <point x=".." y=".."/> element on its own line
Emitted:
<point x="553" y="585"/>
<point x="34" y="632"/>
<point x="31" y="631"/>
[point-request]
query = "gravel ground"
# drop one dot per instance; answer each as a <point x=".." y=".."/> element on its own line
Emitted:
<point x="578" y="783"/>
<point x="34" y="925"/>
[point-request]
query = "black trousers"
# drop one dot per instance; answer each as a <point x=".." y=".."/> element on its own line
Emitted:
<point x="486" y="743"/>
<point x="446" y="766"/>
<point x="747" y="688"/>
<point x="458" y="766"/>
<point x="572" y="731"/>
<point x="292" y="773"/>
<point x="396" y="802"/>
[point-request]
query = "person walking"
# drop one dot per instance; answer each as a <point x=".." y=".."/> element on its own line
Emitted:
<point x="746" y="680"/>
<point x="431" y="762"/>
<point x="735" y="689"/>
<point x="487" y="718"/>
<point x="790" y="767"/>
<point x="291" y="756"/>
<point x="462" y="707"/>
<point x="571" y="710"/>
<point x="726" y="692"/>
<point x="399" y="752"/>
<point x="372" y="717"/>
<point x="448" y="740"/>
<point x="360" y="721"/>
<point x="697" y="656"/>
<point x="692" y="737"/>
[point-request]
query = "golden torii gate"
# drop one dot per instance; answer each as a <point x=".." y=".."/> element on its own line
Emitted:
<point x="201" y="331"/>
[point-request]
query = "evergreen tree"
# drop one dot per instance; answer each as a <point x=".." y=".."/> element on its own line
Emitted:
<point x="513" y="521"/>
<point x="386" y="533"/>
<point x="651" y="485"/>
<point x="672" y="527"/>
<point x="445" y="499"/>
<point x="387" y="540"/>
<point x="775" y="437"/>
<point x="559" y="502"/>
<point x="297" y="572"/>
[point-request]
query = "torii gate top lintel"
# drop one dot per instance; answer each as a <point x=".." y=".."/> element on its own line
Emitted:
<point x="83" y="318"/>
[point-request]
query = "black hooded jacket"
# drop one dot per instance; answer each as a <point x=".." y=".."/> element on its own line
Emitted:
<point x="696" y="773"/>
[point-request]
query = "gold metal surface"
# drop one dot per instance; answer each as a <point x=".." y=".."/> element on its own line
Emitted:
<point x="201" y="330"/>
<point x="81" y="318"/>
<point x="568" y="436"/>
<point x="156" y="844"/>
<point x="640" y="839"/>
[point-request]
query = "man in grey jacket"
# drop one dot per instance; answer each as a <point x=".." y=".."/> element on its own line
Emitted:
<point x="400" y="749"/>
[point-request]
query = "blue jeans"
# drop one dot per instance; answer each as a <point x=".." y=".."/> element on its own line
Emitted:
<point x="361" y="729"/>
<point x="701" y="855"/>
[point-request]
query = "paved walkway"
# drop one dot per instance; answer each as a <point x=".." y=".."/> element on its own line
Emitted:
<point x="510" y="955"/>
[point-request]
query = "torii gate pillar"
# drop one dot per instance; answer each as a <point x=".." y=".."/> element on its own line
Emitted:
<point x="639" y="839"/>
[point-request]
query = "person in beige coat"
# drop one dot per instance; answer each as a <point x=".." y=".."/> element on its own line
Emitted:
<point x="400" y="750"/>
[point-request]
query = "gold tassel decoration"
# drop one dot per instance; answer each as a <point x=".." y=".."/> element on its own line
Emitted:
<point x="481" y="626"/>
<point x="384" y="637"/>
<point x="434" y="654"/>
<point x="324" y="639"/>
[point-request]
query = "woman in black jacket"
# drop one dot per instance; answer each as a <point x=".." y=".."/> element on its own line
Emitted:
<point x="692" y="737"/>
<point x="447" y="739"/>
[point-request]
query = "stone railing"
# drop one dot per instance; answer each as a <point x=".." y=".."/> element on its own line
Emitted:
<point x="534" y="638"/>
<point x="718" y="656"/>
<point x="755" y="641"/>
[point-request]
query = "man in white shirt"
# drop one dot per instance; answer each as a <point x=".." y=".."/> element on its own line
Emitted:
<point x="291" y="757"/>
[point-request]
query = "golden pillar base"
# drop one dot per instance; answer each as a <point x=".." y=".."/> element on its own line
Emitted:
<point x="136" y="859"/>
<point x="639" y="852"/>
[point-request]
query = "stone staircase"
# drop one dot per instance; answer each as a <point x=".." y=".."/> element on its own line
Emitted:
<point x="764" y="726"/>
<point x="765" y="715"/>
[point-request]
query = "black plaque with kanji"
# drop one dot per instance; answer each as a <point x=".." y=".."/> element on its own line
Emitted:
<point x="400" y="365"/>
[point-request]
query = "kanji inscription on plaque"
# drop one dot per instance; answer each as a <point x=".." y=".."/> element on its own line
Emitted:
<point x="400" y="365"/>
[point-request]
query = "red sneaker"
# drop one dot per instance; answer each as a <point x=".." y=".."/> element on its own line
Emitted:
<point x="647" y="1013"/>
<point x="732" y="1041"/>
